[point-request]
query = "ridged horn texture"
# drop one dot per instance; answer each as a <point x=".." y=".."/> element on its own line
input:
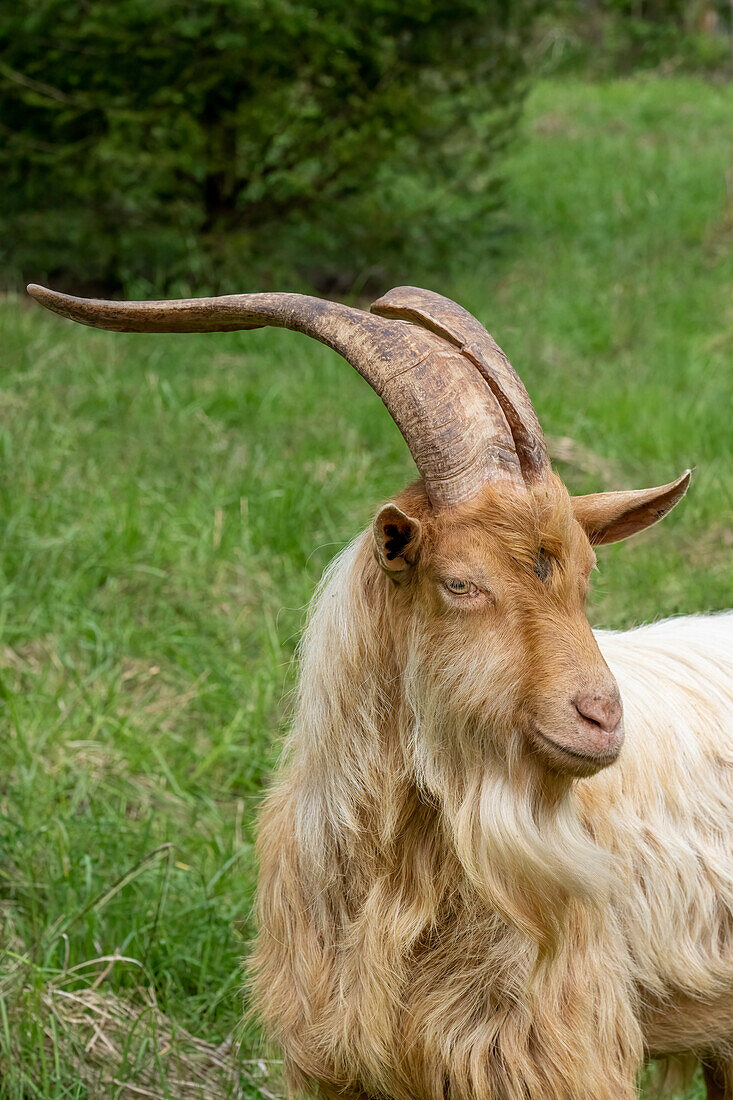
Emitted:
<point x="454" y="425"/>
<point x="460" y="328"/>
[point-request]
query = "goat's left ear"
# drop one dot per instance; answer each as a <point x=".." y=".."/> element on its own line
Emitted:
<point x="396" y="541"/>
<point x="609" y="517"/>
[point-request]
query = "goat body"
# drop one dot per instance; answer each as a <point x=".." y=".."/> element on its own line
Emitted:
<point x="477" y="928"/>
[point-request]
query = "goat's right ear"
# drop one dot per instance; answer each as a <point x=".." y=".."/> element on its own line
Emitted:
<point x="396" y="541"/>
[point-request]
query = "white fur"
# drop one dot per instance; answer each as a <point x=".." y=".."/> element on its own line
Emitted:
<point x="669" y="802"/>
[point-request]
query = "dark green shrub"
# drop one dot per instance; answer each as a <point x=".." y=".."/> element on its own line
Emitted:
<point x="161" y="144"/>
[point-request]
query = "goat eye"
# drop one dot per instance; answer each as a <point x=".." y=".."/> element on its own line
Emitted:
<point x="460" y="588"/>
<point x="543" y="564"/>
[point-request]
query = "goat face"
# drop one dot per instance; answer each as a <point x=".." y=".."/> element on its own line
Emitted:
<point x="488" y="600"/>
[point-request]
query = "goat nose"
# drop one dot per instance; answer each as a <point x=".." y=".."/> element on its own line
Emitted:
<point x="602" y="709"/>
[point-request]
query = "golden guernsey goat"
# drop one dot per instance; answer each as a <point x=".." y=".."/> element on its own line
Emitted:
<point x="478" y="879"/>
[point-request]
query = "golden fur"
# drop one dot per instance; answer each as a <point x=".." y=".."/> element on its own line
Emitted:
<point x="444" y="913"/>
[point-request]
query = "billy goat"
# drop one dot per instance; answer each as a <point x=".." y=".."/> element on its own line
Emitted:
<point x="478" y="881"/>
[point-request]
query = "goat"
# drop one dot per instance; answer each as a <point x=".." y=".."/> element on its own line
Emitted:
<point x="478" y="880"/>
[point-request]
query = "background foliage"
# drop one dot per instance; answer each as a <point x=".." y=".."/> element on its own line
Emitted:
<point x="159" y="146"/>
<point x="166" y="144"/>
<point x="607" y="37"/>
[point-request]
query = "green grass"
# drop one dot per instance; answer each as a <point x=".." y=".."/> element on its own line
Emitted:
<point x="170" y="502"/>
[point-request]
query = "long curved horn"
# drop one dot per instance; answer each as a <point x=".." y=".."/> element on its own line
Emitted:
<point x="455" y="429"/>
<point x="460" y="328"/>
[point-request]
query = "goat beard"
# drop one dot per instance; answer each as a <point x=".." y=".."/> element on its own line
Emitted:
<point x="516" y="828"/>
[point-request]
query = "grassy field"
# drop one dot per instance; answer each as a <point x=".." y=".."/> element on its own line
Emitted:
<point x="169" y="504"/>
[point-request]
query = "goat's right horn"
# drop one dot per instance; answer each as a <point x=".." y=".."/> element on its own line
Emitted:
<point x="452" y="423"/>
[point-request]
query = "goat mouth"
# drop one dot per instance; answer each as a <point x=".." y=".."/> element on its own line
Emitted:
<point x="585" y="763"/>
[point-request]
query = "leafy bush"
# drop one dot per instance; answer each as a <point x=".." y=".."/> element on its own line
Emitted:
<point x="161" y="144"/>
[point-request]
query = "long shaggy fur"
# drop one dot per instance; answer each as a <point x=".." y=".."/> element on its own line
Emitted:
<point x="442" y="916"/>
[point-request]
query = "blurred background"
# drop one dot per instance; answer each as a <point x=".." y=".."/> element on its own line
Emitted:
<point x="153" y="146"/>
<point x="564" y="170"/>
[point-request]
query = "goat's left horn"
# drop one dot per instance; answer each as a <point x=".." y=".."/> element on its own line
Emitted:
<point x="455" y="428"/>
<point x="460" y="328"/>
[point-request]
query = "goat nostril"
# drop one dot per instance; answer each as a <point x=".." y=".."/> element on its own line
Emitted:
<point x="602" y="710"/>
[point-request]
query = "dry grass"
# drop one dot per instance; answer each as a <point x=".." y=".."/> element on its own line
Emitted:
<point x="123" y="1044"/>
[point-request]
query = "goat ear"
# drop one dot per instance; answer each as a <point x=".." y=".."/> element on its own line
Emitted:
<point x="396" y="541"/>
<point x="609" y="517"/>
